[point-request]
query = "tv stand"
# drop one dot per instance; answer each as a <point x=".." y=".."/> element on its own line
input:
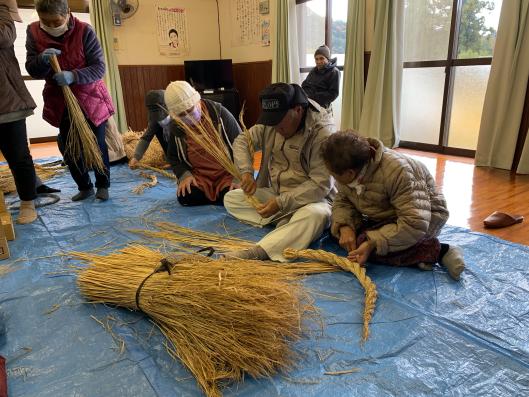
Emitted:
<point x="229" y="98"/>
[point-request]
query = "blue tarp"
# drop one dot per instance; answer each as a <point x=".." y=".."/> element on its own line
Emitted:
<point x="429" y="335"/>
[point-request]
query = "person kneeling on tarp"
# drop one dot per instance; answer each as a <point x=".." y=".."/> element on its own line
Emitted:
<point x="388" y="209"/>
<point x="201" y="179"/>
<point x="293" y="185"/>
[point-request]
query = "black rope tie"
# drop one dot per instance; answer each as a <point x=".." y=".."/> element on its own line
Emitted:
<point x="210" y="251"/>
<point x="164" y="266"/>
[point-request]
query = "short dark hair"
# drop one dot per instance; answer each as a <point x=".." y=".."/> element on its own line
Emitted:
<point x="173" y="31"/>
<point x="345" y="150"/>
<point x="53" y="7"/>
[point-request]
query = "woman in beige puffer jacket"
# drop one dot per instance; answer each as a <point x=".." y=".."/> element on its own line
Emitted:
<point x="388" y="209"/>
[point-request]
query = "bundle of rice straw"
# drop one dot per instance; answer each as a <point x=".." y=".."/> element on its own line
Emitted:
<point x="213" y="144"/>
<point x="154" y="156"/>
<point x="152" y="181"/>
<point x="44" y="171"/>
<point x="81" y="141"/>
<point x="222" y="318"/>
<point x="349" y="266"/>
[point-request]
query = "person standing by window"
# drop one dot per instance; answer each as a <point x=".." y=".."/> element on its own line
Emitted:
<point x="323" y="82"/>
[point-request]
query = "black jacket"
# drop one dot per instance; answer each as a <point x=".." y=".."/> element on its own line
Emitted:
<point x="323" y="85"/>
<point x="177" y="146"/>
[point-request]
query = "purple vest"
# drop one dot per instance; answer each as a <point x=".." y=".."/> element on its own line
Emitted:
<point x="93" y="98"/>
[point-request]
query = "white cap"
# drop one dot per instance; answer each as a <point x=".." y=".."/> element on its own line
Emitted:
<point x="180" y="96"/>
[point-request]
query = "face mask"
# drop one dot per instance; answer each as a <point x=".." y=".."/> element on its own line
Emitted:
<point x="55" y="32"/>
<point x="193" y="116"/>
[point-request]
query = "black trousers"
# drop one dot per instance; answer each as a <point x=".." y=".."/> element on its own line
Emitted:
<point x="197" y="197"/>
<point x="76" y="166"/>
<point x="14" y="146"/>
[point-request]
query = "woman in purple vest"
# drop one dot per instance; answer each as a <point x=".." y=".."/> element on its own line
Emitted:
<point x="81" y="59"/>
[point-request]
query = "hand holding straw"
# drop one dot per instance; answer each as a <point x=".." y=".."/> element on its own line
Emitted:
<point x="213" y="144"/>
<point x="81" y="141"/>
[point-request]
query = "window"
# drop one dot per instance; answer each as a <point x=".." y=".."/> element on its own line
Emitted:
<point x="448" y="47"/>
<point x="36" y="126"/>
<point x="322" y="22"/>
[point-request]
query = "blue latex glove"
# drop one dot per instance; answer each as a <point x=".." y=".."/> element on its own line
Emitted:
<point x="45" y="55"/>
<point x="64" y="78"/>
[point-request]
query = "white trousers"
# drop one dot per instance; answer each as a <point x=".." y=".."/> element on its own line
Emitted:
<point x="295" y="230"/>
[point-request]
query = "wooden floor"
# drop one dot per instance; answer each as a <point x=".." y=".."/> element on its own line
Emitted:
<point x="472" y="192"/>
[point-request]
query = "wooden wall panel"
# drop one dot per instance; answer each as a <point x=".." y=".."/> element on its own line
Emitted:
<point x="249" y="79"/>
<point x="136" y="80"/>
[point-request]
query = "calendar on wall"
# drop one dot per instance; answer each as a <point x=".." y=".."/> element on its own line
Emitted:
<point x="171" y="29"/>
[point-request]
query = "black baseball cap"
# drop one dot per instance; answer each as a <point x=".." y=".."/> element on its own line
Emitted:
<point x="277" y="99"/>
<point x="155" y="103"/>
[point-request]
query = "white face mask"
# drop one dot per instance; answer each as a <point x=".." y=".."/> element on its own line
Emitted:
<point x="55" y="32"/>
<point x="193" y="116"/>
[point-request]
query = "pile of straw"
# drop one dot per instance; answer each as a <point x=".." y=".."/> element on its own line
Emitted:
<point x="152" y="181"/>
<point x="154" y="156"/>
<point x="44" y="171"/>
<point x="213" y="144"/>
<point x="223" y="318"/>
<point x="81" y="141"/>
<point x="349" y="266"/>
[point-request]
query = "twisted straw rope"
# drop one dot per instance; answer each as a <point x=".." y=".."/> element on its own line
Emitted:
<point x="158" y="170"/>
<point x="349" y="266"/>
<point x="145" y="185"/>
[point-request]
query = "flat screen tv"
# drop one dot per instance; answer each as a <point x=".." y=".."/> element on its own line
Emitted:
<point x="209" y="75"/>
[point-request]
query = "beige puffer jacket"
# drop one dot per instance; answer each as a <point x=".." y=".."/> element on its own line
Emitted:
<point x="394" y="187"/>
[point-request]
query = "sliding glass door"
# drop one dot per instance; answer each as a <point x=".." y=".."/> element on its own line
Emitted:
<point x="447" y="51"/>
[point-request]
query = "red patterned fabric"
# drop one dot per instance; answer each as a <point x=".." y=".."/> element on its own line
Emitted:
<point x="3" y="377"/>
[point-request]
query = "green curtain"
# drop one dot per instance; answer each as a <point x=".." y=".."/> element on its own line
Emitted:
<point x="285" y="61"/>
<point x="381" y="106"/>
<point x="101" y="18"/>
<point x="353" y="70"/>
<point x="504" y="99"/>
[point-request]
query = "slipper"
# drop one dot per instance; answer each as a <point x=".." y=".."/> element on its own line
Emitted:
<point x="501" y="219"/>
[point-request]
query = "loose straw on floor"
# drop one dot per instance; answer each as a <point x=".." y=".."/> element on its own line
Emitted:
<point x="223" y="318"/>
<point x="152" y="181"/>
<point x="154" y="156"/>
<point x="81" y="141"/>
<point x="349" y="266"/>
<point x="44" y="172"/>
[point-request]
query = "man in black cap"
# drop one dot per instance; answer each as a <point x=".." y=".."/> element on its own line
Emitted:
<point x="323" y="82"/>
<point x="159" y="125"/>
<point x="293" y="185"/>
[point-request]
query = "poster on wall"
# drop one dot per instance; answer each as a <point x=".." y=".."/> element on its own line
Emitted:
<point x="171" y="29"/>
<point x="246" y="28"/>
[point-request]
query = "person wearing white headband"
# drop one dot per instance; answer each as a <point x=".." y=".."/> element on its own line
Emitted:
<point x="16" y="104"/>
<point x="201" y="179"/>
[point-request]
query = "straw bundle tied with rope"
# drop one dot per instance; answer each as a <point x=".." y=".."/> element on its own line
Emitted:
<point x="213" y="144"/>
<point x="349" y="266"/>
<point x="223" y="318"/>
<point x="154" y="156"/>
<point x="44" y="171"/>
<point x="81" y="141"/>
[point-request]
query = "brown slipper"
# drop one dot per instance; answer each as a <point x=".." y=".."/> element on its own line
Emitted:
<point x="501" y="219"/>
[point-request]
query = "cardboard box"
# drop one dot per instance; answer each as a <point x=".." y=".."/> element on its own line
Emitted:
<point x="4" y="248"/>
<point x="7" y="225"/>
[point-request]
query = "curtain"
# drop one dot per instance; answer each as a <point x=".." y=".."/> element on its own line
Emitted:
<point x="101" y="18"/>
<point x="285" y="62"/>
<point x="504" y="99"/>
<point x="380" y="116"/>
<point x="353" y="70"/>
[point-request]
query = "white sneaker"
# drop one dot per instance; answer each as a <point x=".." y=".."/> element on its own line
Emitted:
<point x="27" y="212"/>
<point x="454" y="262"/>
